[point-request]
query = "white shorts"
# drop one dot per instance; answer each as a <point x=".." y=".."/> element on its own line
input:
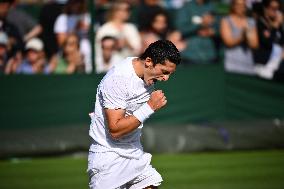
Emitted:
<point x="108" y="170"/>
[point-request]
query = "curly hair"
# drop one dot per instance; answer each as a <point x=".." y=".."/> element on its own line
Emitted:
<point x="160" y="51"/>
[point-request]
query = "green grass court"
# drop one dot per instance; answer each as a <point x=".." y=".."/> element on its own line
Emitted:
<point x="218" y="170"/>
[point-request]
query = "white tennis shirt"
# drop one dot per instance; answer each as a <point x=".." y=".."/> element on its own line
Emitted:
<point x="120" y="88"/>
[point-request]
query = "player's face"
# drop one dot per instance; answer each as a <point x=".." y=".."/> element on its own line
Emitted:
<point x="159" y="72"/>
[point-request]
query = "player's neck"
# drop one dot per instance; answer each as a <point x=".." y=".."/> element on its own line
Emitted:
<point x="138" y="66"/>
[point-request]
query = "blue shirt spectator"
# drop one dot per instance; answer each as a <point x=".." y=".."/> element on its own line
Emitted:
<point x="196" y="22"/>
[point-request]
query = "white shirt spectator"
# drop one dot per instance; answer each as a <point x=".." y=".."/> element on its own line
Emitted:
<point x="128" y="32"/>
<point x="68" y="23"/>
<point x="65" y="23"/>
<point x="102" y="67"/>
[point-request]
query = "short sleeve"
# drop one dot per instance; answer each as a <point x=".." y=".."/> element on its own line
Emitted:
<point x="114" y="92"/>
<point x="60" y="25"/>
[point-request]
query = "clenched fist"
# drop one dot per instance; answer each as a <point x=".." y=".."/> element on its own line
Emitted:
<point x="157" y="100"/>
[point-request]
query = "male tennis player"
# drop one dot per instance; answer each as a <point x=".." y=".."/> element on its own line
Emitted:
<point x="125" y="99"/>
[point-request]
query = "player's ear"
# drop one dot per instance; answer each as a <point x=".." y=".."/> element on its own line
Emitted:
<point x="149" y="62"/>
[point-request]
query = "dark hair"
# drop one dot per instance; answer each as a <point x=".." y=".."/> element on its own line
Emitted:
<point x="7" y="1"/>
<point x="80" y="5"/>
<point x="266" y="3"/>
<point x="163" y="34"/>
<point x="160" y="51"/>
<point x="107" y="37"/>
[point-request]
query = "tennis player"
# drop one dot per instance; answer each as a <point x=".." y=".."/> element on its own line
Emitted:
<point x="125" y="99"/>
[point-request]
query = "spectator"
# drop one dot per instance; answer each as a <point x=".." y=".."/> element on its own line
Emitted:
<point x="48" y="14"/>
<point x="75" y="19"/>
<point x="33" y="61"/>
<point x="146" y="11"/>
<point x="3" y="52"/>
<point x="70" y="60"/>
<point x="239" y="35"/>
<point x="129" y="41"/>
<point x="269" y="55"/>
<point x="109" y="56"/>
<point x="159" y="29"/>
<point x="196" y="22"/>
<point x="68" y="22"/>
<point x="26" y="25"/>
<point x="102" y="7"/>
<point x="15" y="42"/>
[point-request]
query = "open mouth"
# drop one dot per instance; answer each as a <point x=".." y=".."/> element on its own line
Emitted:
<point x="152" y="81"/>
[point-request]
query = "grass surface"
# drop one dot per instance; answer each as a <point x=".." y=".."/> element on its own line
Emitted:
<point x="234" y="170"/>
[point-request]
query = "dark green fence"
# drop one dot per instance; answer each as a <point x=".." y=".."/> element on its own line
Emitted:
<point x="43" y="112"/>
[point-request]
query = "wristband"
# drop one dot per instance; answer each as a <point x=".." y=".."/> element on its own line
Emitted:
<point x="143" y="113"/>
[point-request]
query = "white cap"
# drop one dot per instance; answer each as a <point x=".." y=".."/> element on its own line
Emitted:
<point x="34" y="44"/>
<point x="3" y="38"/>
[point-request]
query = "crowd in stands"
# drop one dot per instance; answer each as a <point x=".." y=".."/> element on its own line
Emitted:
<point x="248" y="38"/>
<point x="254" y="45"/>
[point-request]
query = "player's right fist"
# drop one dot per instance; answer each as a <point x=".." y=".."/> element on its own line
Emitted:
<point x="157" y="100"/>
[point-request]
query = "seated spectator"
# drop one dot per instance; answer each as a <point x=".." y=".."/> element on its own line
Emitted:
<point x="70" y="60"/>
<point x="26" y="25"/>
<point x="269" y="55"/>
<point x="75" y="19"/>
<point x="196" y="22"/>
<point x="159" y="29"/>
<point x="239" y="36"/>
<point x="129" y="41"/>
<point x="109" y="55"/>
<point x="146" y="11"/>
<point x="15" y="42"/>
<point x="3" y="52"/>
<point x="33" y="61"/>
<point x="68" y="22"/>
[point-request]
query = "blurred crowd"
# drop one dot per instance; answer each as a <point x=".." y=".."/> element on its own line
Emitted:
<point x="248" y="37"/>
